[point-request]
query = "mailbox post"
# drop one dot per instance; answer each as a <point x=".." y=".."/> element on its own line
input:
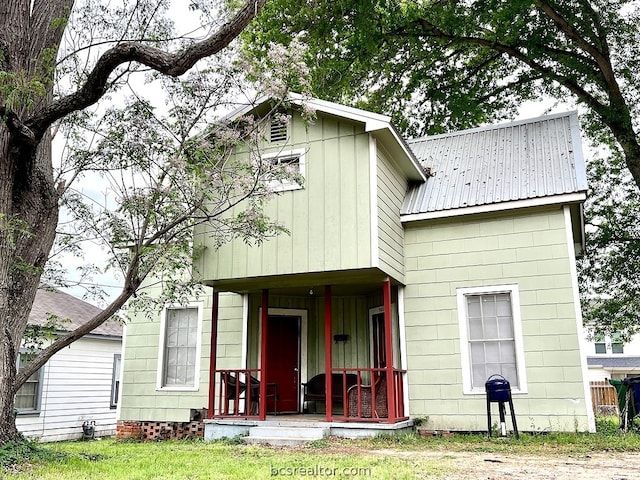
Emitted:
<point x="498" y="390"/>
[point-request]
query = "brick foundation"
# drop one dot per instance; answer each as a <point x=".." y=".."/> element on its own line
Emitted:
<point x="159" y="430"/>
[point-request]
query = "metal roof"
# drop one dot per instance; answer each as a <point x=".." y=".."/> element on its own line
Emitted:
<point x="54" y="302"/>
<point x="522" y="160"/>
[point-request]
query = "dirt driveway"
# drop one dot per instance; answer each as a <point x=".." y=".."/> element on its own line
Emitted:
<point x="495" y="466"/>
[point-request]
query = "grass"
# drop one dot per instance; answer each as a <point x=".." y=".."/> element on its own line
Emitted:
<point x="382" y="457"/>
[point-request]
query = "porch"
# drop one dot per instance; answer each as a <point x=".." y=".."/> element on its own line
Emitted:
<point x="353" y="333"/>
<point x="296" y="429"/>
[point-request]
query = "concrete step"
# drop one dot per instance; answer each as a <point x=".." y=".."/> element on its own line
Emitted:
<point x="278" y="441"/>
<point x="286" y="436"/>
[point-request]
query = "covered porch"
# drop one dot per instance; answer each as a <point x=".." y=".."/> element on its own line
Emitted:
<point x="323" y="353"/>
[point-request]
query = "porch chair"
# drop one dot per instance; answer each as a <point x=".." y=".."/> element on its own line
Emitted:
<point x="369" y="408"/>
<point x="234" y="387"/>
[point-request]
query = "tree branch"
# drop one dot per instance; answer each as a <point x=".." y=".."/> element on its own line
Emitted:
<point x="432" y="31"/>
<point x="172" y="64"/>
<point x="601" y="58"/>
<point x="69" y="338"/>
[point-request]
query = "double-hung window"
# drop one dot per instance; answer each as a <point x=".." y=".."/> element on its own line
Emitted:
<point x="490" y="336"/>
<point x="27" y="399"/>
<point x="115" y="380"/>
<point x="609" y="344"/>
<point x="180" y="348"/>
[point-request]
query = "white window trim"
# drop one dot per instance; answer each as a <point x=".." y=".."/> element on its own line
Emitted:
<point x="280" y="186"/>
<point x="113" y="400"/>
<point x="38" y="407"/>
<point x="163" y="335"/>
<point x="514" y="292"/>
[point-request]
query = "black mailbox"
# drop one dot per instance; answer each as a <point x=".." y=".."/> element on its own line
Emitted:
<point x="498" y="390"/>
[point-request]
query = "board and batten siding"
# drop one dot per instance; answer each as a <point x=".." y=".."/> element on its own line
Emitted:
<point x="391" y="189"/>
<point x="76" y="387"/>
<point x="527" y="248"/>
<point x="350" y="316"/>
<point x="328" y="219"/>
<point x="141" y="400"/>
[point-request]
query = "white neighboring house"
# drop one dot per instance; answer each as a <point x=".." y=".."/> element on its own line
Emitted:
<point x="609" y="358"/>
<point x="78" y="384"/>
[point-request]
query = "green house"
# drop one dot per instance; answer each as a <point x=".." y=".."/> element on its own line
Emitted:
<point x="413" y="272"/>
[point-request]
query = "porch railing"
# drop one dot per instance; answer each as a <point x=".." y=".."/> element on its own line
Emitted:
<point x="368" y="399"/>
<point x="238" y="393"/>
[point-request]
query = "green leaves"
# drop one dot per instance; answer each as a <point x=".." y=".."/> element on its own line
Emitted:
<point x="610" y="268"/>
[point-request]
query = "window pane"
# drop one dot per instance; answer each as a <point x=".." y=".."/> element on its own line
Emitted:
<point x="473" y="306"/>
<point x="491" y="328"/>
<point x="505" y="327"/>
<point x="475" y="329"/>
<point x="479" y="376"/>
<point x="26" y="399"/>
<point x="510" y="373"/>
<point x="492" y="352"/>
<point x="617" y="348"/>
<point x="477" y="353"/>
<point x="488" y="306"/>
<point x="180" y="346"/>
<point x="491" y="336"/>
<point x="503" y="305"/>
<point x="601" y="348"/>
<point x="115" y="380"/>
<point x="507" y="352"/>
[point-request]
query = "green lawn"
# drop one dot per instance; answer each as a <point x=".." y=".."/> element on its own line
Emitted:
<point x="380" y="458"/>
<point x="108" y="459"/>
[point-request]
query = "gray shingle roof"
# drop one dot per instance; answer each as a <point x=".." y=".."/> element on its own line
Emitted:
<point x="521" y="160"/>
<point x="67" y="306"/>
<point x="614" y="362"/>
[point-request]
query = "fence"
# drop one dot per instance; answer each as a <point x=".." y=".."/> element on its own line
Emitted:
<point x="604" y="398"/>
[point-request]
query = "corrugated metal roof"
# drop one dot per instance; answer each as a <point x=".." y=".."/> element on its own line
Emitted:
<point x="515" y="161"/>
<point x="65" y="306"/>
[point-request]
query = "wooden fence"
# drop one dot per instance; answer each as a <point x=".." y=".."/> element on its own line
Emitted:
<point x="604" y="398"/>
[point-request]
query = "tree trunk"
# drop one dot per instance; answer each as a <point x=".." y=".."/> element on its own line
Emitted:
<point x="30" y="35"/>
<point x="28" y="220"/>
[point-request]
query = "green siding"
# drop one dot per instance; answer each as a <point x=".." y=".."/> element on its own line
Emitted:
<point x="329" y="219"/>
<point x="527" y="248"/>
<point x="392" y="187"/>
<point x="350" y="315"/>
<point x="141" y="401"/>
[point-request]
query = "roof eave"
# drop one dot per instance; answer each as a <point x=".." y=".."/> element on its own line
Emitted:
<point x="378" y="125"/>
<point x="562" y="199"/>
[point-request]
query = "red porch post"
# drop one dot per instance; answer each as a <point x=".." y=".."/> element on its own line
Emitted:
<point x="328" y="364"/>
<point x="391" y="391"/>
<point x="263" y="355"/>
<point x="213" y="354"/>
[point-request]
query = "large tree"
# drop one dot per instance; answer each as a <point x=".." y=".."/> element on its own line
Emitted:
<point x="438" y="65"/>
<point x="610" y="268"/>
<point x="441" y="64"/>
<point x="57" y="59"/>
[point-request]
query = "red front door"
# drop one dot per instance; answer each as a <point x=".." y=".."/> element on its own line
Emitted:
<point x="283" y="358"/>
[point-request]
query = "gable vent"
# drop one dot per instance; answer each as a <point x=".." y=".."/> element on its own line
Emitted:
<point x="278" y="131"/>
